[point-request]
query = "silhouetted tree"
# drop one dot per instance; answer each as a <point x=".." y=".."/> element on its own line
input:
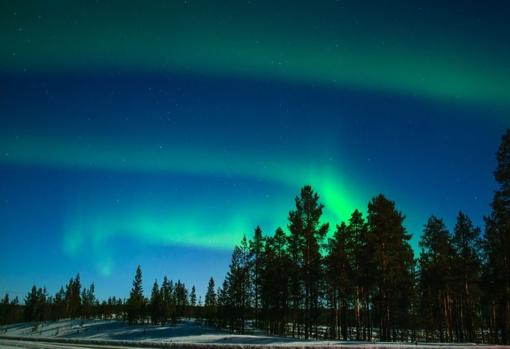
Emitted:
<point x="59" y="306"/>
<point x="223" y="308"/>
<point x="238" y="280"/>
<point x="360" y="251"/>
<point x="88" y="301"/>
<point x="466" y="246"/>
<point x="73" y="297"/>
<point x="339" y="277"/>
<point x="156" y="305"/>
<point x="10" y="311"/>
<point x="497" y="250"/>
<point x="31" y="303"/>
<point x="168" y="301"/>
<point x="307" y="233"/>
<point x="136" y="300"/>
<point x="181" y="298"/>
<point x="256" y="266"/>
<point x="192" y="301"/>
<point x="210" y="302"/>
<point x="394" y="262"/>
<point x="275" y="283"/>
<point x="435" y="280"/>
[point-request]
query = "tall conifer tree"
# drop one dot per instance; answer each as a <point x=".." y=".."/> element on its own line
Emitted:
<point x="136" y="300"/>
<point x="497" y="249"/>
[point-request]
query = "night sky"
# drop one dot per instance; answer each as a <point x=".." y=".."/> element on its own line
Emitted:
<point x="159" y="132"/>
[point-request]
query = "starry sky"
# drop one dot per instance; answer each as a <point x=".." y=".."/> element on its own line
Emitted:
<point x="159" y="132"/>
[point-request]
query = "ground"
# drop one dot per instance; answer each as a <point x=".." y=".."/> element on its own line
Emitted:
<point x="98" y="333"/>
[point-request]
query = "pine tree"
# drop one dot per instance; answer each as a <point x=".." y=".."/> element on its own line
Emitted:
<point x="497" y="250"/>
<point x="59" y="305"/>
<point x="167" y="300"/>
<point x="256" y="251"/>
<point x="192" y="301"/>
<point x="307" y="234"/>
<point x="67" y="298"/>
<point x="239" y="286"/>
<point x="435" y="279"/>
<point x="181" y="298"/>
<point x="31" y="303"/>
<point x="360" y="251"/>
<point x="339" y="277"/>
<point x="73" y="297"/>
<point x="42" y="304"/>
<point x="156" y="305"/>
<point x="394" y="261"/>
<point x="223" y="308"/>
<point x="136" y="301"/>
<point x="88" y="301"/>
<point x="275" y="283"/>
<point x="210" y="302"/>
<point x="466" y="276"/>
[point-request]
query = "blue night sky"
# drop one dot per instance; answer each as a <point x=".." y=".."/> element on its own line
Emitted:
<point x="158" y="133"/>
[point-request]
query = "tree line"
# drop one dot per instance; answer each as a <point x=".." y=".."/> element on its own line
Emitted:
<point x="361" y="281"/>
<point x="364" y="281"/>
<point x="166" y="305"/>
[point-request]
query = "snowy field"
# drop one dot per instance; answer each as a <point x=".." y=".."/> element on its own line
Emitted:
<point x="185" y="332"/>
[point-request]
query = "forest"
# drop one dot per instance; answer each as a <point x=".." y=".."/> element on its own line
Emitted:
<point x="359" y="280"/>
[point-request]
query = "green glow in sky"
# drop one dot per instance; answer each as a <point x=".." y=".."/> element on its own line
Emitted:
<point x="95" y="227"/>
<point x="337" y="192"/>
<point x="328" y="44"/>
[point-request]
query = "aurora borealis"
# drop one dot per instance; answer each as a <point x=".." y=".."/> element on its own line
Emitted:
<point x="158" y="133"/>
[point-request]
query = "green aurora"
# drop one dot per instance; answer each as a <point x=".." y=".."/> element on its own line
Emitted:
<point x="435" y="53"/>
<point x="324" y="43"/>
<point x="95" y="229"/>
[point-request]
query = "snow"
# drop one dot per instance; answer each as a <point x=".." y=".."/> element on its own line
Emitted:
<point x="105" y="331"/>
<point x="186" y="331"/>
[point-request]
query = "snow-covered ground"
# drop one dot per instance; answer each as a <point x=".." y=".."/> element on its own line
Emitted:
<point x="184" y="332"/>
